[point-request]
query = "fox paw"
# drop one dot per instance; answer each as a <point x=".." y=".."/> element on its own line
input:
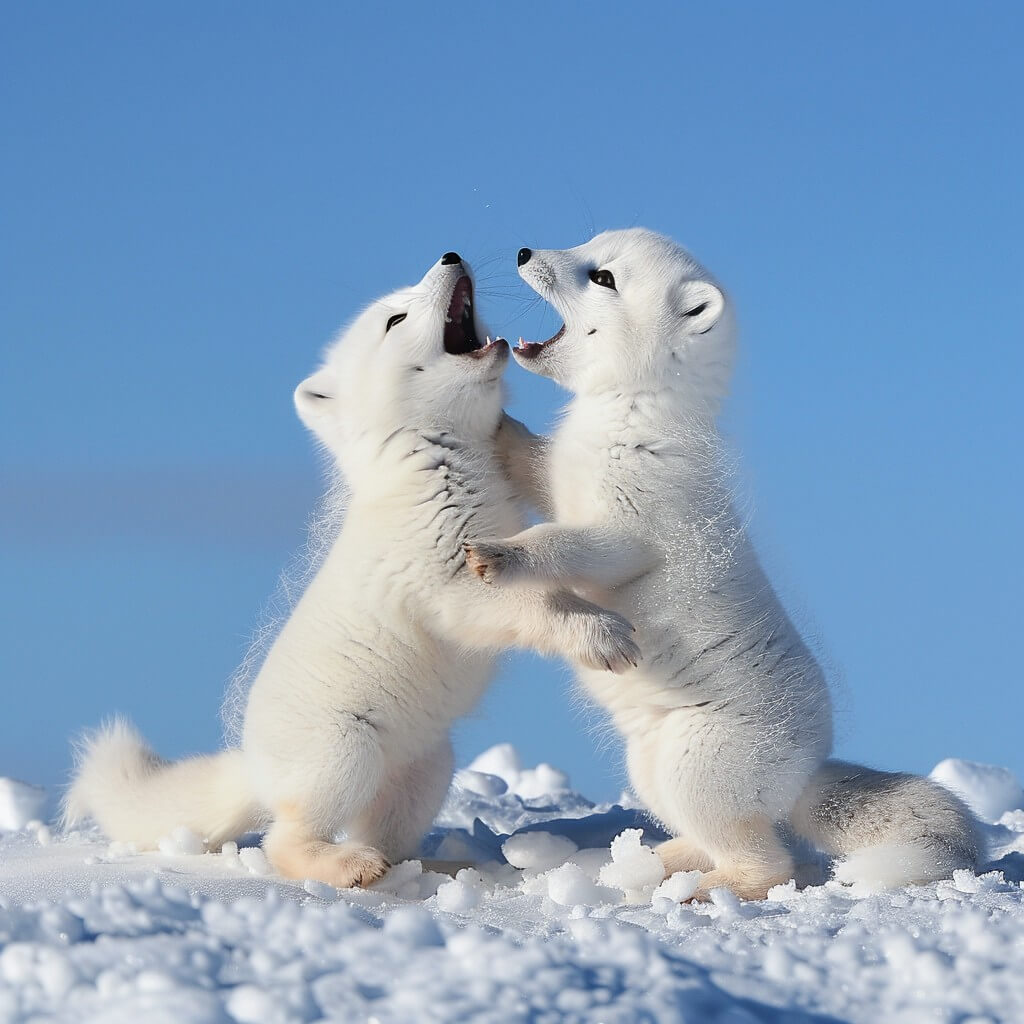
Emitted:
<point x="611" y="645"/>
<point x="353" y="866"/>
<point x="493" y="561"/>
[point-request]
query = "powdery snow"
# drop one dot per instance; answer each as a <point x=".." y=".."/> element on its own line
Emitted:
<point x="563" y="918"/>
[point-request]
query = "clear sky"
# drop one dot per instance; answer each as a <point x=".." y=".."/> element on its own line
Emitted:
<point x="197" y="195"/>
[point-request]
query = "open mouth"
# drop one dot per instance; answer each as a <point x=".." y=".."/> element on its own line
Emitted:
<point x="460" y="336"/>
<point x="532" y="349"/>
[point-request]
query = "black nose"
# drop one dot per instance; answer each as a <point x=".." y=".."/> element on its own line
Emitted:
<point x="451" y="257"/>
<point x="524" y="256"/>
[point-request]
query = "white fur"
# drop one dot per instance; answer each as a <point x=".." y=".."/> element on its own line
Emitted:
<point x="346" y="725"/>
<point x="728" y="719"/>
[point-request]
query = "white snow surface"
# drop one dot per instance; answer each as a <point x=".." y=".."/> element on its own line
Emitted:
<point x="575" y="925"/>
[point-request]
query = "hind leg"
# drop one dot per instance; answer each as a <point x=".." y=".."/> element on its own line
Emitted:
<point x="683" y="855"/>
<point x="297" y="849"/>
<point x="749" y="859"/>
<point x="316" y="784"/>
<point x="703" y="789"/>
<point x="406" y="805"/>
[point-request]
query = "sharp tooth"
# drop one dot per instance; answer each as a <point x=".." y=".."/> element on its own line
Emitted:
<point x="488" y="338"/>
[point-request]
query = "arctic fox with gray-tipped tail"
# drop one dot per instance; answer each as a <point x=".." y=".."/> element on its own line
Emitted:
<point x="727" y="720"/>
<point x="347" y="724"/>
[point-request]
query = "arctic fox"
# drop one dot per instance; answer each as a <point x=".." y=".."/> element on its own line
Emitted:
<point x="727" y="720"/>
<point x="346" y="728"/>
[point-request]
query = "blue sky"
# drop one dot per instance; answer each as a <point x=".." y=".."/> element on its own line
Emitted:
<point x="197" y="195"/>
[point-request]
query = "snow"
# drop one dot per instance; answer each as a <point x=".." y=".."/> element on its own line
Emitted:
<point x="20" y="803"/>
<point x="562" y="918"/>
<point x="989" y="791"/>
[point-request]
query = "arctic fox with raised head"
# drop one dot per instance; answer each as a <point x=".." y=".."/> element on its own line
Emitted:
<point x="346" y="727"/>
<point x="727" y="719"/>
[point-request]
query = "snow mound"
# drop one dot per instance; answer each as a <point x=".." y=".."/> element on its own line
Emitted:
<point x="502" y="761"/>
<point x="989" y="791"/>
<point x="537" y="851"/>
<point x="20" y="803"/>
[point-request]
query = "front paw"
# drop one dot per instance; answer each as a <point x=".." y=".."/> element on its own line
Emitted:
<point x="611" y="645"/>
<point x="492" y="560"/>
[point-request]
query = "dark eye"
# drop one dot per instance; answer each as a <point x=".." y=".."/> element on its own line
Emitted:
<point x="396" y="319"/>
<point x="603" y="278"/>
<point x="697" y="310"/>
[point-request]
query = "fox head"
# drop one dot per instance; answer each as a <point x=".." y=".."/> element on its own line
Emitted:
<point x="640" y="314"/>
<point x="412" y="360"/>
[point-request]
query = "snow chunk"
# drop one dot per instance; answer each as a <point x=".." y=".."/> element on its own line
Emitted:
<point x="321" y="890"/>
<point x="569" y="886"/>
<point x="989" y="791"/>
<point x="676" y="889"/>
<point x="537" y="851"/>
<point x="461" y="894"/>
<point x="635" y="869"/>
<point x="20" y="803"/>
<point x="182" y="842"/>
<point x="255" y="860"/>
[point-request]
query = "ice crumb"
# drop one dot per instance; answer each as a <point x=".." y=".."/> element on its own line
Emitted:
<point x="782" y="893"/>
<point x="725" y="900"/>
<point x="537" y="851"/>
<point x="461" y="894"/>
<point x="321" y="890"/>
<point x="677" y="888"/>
<point x="403" y="879"/>
<point x="254" y="860"/>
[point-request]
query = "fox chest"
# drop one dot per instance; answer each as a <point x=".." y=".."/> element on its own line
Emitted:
<point x="583" y="482"/>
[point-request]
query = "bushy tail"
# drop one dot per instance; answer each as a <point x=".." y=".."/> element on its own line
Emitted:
<point x="891" y="828"/>
<point x="136" y="796"/>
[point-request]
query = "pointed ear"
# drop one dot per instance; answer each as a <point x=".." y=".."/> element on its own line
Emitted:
<point x="700" y="306"/>
<point x="315" y="398"/>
